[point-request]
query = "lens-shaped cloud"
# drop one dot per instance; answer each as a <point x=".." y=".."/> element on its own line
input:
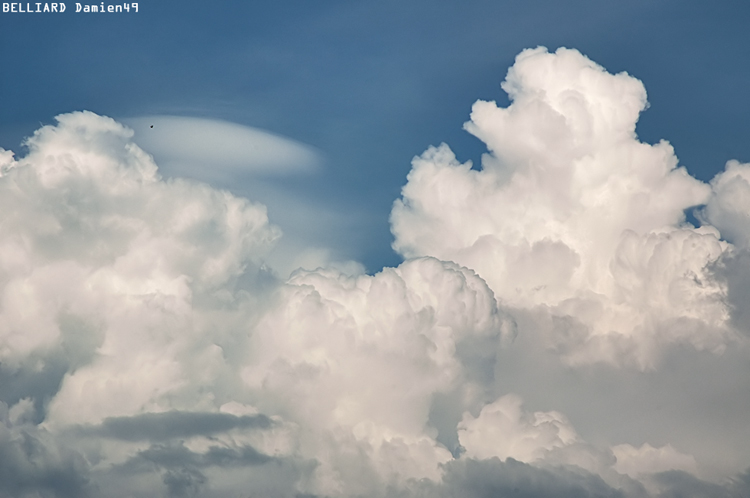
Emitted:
<point x="213" y="150"/>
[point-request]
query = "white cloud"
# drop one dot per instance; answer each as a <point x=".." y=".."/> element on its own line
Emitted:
<point x="150" y="296"/>
<point x="212" y="149"/>
<point x="728" y="209"/>
<point x="649" y="460"/>
<point x="92" y="232"/>
<point x="254" y="163"/>
<point x="571" y="214"/>
<point x="146" y="349"/>
<point x="355" y="362"/>
<point x="504" y="430"/>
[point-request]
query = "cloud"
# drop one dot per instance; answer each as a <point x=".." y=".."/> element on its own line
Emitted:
<point x="126" y="305"/>
<point x="33" y="462"/>
<point x="733" y="271"/>
<point x="647" y="459"/>
<point x="501" y="430"/>
<point x="572" y="214"/>
<point x="356" y="361"/>
<point x="729" y="205"/>
<point x="169" y="456"/>
<point x="175" y="348"/>
<point x="147" y="350"/>
<point x="105" y="261"/>
<point x="211" y="150"/>
<point x="492" y="477"/>
<point x="675" y="483"/>
<point x="172" y="425"/>
<point x="728" y="209"/>
<point x="256" y="164"/>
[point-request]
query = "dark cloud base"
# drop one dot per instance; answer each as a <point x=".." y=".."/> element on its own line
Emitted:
<point x="172" y="425"/>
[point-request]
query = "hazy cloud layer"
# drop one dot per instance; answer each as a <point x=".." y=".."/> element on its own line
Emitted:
<point x="559" y="329"/>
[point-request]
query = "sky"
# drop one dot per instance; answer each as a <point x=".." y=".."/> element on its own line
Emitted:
<point x="375" y="249"/>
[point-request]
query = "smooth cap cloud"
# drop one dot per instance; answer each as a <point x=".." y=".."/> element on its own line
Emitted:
<point x="210" y="149"/>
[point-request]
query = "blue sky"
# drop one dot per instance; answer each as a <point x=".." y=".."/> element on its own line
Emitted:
<point x="339" y="306"/>
<point x="372" y="84"/>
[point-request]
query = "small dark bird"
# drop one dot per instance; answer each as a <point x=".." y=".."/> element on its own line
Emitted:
<point x="152" y="126"/>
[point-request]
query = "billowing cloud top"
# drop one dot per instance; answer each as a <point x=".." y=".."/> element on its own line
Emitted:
<point x="572" y="214"/>
<point x="146" y="350"/>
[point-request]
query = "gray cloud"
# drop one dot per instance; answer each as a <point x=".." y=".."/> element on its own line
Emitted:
<point x="184" y="482"/>
<point x="492" y="478"/>
<point x="177" y="455"/>
<point x="40" y="375"/>
<point x="33" y="464"/>
<point x="172" y="425"/>
<point x="734" y="270"/>
<point x="184" y="472"/>
<point x="678" y="484"/>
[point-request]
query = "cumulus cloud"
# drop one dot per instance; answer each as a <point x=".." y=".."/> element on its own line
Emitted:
<point x="176" y="355"/>
<point x="147" y="350"/>
<point x="113" y="282"/>
<point x="501" y="430"/>
<point x="728" y="209"/>
<point x="572" y="214"/>
<point x="365" y="355"/>
<point x="104" y="260"/>
<point x="492" y="477"/>
<point x="647" y="459"/>
<point x="33" y="462"/>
